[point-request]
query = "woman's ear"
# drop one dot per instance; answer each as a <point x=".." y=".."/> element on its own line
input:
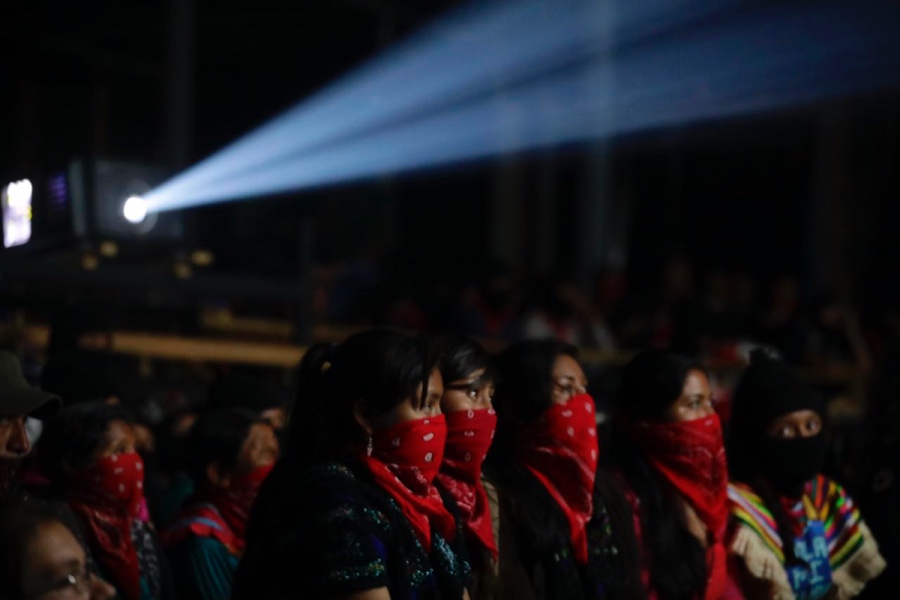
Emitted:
<point x="359" y="415"/>
<point x="217" y="475"/>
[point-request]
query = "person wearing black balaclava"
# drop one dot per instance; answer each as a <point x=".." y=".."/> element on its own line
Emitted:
<point x="776" y="450"/>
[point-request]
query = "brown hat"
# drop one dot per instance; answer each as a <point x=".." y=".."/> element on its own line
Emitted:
<point x="19" y="398"/>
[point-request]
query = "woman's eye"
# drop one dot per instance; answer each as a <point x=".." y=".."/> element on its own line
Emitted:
<point x="812" y="426"/>
<point x="473" y="394"/>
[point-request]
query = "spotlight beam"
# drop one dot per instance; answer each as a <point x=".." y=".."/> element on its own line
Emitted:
<point x="773" y="58"/>
<point x="470" y="54"/>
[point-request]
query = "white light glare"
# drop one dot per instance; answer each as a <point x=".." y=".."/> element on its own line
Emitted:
<point x="135" y="209"/>
<point x="17" y="213"/>
<point x="19" y="194"/>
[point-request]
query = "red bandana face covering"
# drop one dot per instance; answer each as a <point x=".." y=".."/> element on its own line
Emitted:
<point x="405" y="459"/>
<point x="469" y="436"/>
<point x="560" y="450"/>
<point x="235" y="502"/>
<point x="690" y="456"/>
<point x="107" y="497"/>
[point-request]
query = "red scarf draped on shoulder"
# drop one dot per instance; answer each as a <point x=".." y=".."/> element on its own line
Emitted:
<point x="404" y="461"/>
<point x="690" y="456"/>
<point x="469" y="435"/>
<point x="107" y="497"/>
<point x="560" y="450"/>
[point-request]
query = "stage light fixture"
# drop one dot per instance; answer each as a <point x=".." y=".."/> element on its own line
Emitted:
<point x="16" y="209"/>
<point x="134" y="209"/>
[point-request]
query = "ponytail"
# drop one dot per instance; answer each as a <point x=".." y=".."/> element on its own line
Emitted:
<point x="307" y="419"/>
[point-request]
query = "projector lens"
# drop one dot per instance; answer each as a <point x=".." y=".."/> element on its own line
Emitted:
<point x="135" y="209"/>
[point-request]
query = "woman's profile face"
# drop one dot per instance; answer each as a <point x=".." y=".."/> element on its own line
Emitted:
<point x="568" y="378"/>
<point x="695" y="401"/>
<point x="472" y="392"/>
<point x="260" y="448"/>
<point x="55" y="567"/>
<point x="417" y="406"/>
<point x="119" y="439"/>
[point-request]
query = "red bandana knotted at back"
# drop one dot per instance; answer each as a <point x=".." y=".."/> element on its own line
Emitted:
<point x="560" y="450"/>
<point x="107" y="497"/>
<point x="469" y="436"/>
<point x="405" y="459"/>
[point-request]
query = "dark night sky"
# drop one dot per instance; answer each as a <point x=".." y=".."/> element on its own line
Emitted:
<point x="250" y="64"/>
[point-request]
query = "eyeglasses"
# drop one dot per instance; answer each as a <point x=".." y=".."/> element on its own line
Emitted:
<point x="66" y="587"/>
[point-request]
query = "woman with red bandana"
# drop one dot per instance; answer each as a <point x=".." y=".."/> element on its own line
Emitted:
<point x="351" y="511"/>
<point x="88" y="453"/>
<point x="564" y="532"/>
<point x="471" y="422"/>
<point x="229" y="454"/>
<point x="668" y="448"/>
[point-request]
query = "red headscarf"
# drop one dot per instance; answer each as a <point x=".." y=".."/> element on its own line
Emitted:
<point x="404" y="461"/>
<point x="560" y="450"/>
<point x="690" y="456"/>
<point x="469" y="435"/>
<point x="107" y="497"/>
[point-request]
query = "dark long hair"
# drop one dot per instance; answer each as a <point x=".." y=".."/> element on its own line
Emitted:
<point x="373" y="371"/>
<point x="652" y="382"/>
<point x="524" y="390"/>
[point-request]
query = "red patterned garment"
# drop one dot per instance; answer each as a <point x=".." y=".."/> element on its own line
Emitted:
<point x="469" y="436"/>
<point x="690" y="456"/>
<point x="404" y="462"/>
<point x="560" y="450"/>
<point x="107" y="497"/>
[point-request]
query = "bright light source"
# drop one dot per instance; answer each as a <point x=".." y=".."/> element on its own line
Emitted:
<point x="16" y="206"/>
<point x="19" y="194"/>
<point x="135" y="210"/>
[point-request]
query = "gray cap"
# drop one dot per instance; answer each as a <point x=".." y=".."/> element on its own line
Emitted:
<point x="19" y="398"/>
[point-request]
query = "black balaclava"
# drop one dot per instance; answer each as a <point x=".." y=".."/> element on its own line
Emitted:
<point x="769" y="389"/>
